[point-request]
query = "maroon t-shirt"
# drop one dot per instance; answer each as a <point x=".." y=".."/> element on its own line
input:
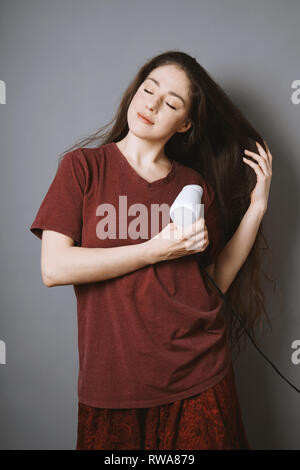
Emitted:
<point x="154" y="335"/>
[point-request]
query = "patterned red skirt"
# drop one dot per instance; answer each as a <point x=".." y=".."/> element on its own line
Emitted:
<point x="210" y="420"/>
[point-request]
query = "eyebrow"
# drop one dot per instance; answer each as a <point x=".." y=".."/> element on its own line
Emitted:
<point x="169" y="91"/>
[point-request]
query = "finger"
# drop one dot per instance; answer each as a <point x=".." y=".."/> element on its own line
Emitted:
<point x="197" y="236"/>
<point x="195" y="227"/>
<point x="261" y="150"/>
<point x="199" y="228"/>
<point x="255" y="167"/>
<point x="191" y="244"/>
<point x="263" y="161"/>
<point x="256" y="155"/>
<point x="200" y="223"/>
<point x="263" y="166"/>
<point x="268" y="152"/>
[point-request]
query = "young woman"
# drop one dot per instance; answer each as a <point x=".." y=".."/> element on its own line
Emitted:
<point x="155" y="365"/>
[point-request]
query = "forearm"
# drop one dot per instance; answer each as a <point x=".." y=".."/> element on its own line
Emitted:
<point x="235" y="252"/>
<point x="79" y="265"/>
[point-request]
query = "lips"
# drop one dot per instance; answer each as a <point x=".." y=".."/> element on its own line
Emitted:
<point x="144" y="118"/>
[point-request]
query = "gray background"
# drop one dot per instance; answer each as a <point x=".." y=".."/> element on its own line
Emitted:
<point x="66" y="64"/>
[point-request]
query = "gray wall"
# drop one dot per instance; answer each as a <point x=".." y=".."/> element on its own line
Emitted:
<point x="65" y="64"/>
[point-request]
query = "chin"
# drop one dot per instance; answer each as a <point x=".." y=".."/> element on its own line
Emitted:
<point x="138" y="129"/>
<point x="137" y="133"/>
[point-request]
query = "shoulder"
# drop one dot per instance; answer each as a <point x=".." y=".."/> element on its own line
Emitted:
<point x="84" y="158"/>
<point x="86" y="164"/>
<point x="94" y="156"/>
<point x="73" y="157"/>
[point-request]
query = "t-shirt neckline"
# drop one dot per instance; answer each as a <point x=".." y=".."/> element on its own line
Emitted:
<point x="138" y="177"/>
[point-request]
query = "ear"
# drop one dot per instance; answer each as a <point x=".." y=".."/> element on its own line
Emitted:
<point x="184" y="126"/>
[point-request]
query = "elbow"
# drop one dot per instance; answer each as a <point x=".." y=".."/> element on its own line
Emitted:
<point x="222" y="285"/>
<point x="224" y="289"/>
<point x="48" y="281"/>
<point x="48" y="278"/>
<point x="223" y="278"/>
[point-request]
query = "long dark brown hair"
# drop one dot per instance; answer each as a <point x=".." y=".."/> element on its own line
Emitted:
<point x="213" y="146"/>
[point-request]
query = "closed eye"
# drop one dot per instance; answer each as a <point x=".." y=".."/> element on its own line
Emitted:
<point x="152" y="94"/>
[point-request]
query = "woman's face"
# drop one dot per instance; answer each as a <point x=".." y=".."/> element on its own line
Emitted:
<point x="155" y="99"/>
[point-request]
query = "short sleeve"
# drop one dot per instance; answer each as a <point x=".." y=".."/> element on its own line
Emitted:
<point x="212" y="219"/>
<point x="61" y="208"/>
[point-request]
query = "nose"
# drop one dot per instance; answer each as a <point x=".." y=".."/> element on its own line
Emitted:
<point x="150" y="106"/>
<point x="153" y="106"/>
<point x="150" y="111"/>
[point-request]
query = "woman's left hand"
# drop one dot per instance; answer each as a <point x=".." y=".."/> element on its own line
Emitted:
<point x="260" y="194"/>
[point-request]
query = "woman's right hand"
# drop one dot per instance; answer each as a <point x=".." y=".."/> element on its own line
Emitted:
<point x="175" y="241"/>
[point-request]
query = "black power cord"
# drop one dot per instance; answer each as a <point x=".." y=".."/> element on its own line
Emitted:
<point x="243" y="325"/>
